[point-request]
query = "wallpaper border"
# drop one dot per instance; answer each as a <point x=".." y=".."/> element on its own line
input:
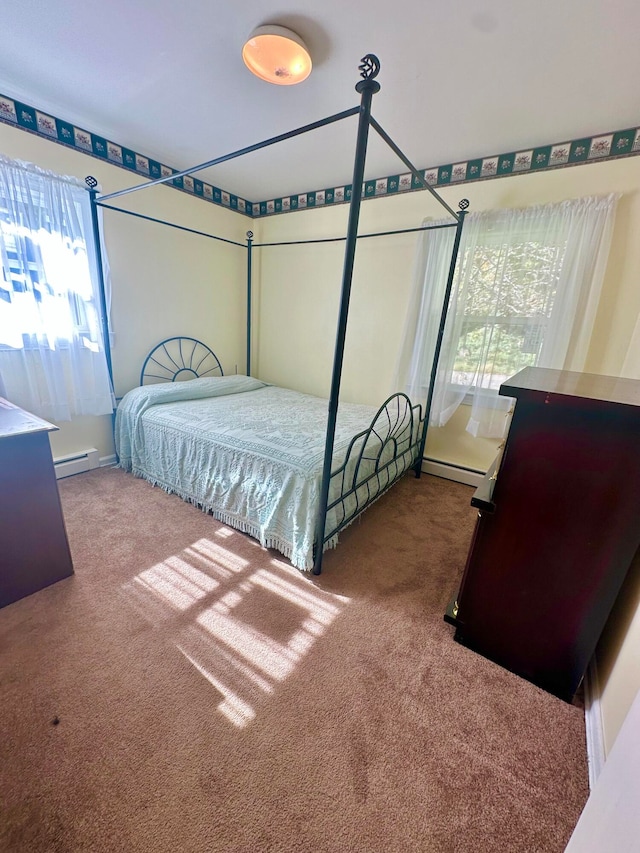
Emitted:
<point x="42" y="124"/>
<point x="601" y="147"/>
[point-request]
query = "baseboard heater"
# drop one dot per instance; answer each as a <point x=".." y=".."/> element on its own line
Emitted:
<point x="76" y="463"/>
<point x="449" y="471"/>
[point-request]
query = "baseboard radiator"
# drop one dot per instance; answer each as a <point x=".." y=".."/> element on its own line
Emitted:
<point x="76" y="463"/>
<point x="468" y="476"/>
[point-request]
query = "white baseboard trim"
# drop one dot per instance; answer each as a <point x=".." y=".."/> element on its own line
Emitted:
<point x="596" y="755"/>
<point x="452" y="472"/>
<point x="78" y="463"/>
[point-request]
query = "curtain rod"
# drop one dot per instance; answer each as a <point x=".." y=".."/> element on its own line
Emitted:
<point x="34" y="169"/>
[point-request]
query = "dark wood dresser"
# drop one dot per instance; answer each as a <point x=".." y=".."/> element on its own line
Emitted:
<point x="558" y="526"/>
<point x="34" y="550"/>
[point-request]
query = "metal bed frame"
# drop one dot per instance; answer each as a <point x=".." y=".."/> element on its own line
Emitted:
<point x="179" y="358"/>
<point x="395" y="441"/>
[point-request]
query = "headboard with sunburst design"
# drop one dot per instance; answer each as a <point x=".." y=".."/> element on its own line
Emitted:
<point x="177" y="359"/>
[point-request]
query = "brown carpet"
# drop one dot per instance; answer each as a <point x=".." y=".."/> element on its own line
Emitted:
<point x="187" y="690"/>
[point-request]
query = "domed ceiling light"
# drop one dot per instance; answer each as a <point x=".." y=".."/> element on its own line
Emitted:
<point x="277" y="55"/>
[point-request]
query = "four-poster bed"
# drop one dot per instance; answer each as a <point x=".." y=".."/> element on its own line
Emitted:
<point x="251" y="453"/>
<point x="363" y="451"/>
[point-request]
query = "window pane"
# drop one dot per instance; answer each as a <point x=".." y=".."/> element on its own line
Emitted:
<point x="47" y="288"/>
<point x="510" y="294"/>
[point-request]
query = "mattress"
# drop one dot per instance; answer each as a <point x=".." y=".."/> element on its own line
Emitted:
<point x="249" y="453"/>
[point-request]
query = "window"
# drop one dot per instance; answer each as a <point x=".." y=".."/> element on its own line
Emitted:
<point x="508" y="305"/>
<point x="52" y="359"/>
<point x="525" y="293"/>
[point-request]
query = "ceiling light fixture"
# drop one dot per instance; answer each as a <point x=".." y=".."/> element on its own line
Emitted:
<point x="277" y="55"/>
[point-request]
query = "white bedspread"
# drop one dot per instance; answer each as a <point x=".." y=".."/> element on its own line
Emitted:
<point x="247" y="452"/>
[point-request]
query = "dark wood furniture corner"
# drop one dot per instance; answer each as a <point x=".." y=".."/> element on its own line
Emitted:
<point x="558" y="527"/>
<point x="34" y="550"/>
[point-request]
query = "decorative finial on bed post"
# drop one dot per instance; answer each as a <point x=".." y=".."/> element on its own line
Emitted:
<point x="249" y="235"/>
<point x="463" y="204"/>
<point x="369" y="68"/>
<point x="91" y="182"/>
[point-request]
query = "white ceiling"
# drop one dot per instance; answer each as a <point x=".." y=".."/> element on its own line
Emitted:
<point x="461" y="79"/>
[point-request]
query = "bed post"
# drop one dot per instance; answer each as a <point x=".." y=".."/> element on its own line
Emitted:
<point x="443" y="319"/>
<point x="367" y="87"/>
<point x="249" y="248"/>
<point x="91" y="182"/>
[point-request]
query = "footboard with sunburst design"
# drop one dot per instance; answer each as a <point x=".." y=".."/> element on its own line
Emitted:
<point x="375" y="459"/>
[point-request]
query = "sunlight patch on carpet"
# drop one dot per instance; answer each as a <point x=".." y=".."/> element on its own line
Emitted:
<point x="225" y="533"/>
<point x="176" y="582"/>
<point x="243" y="625"/>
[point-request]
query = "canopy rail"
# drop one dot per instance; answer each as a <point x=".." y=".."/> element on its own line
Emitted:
<point x="342" y="239"/>
<point x="416" y="174"/>
<point x="249" y="149"/>
<point x="101" y="203"/>
<point x="358" y="237"/>
<point x="249" y="245"/>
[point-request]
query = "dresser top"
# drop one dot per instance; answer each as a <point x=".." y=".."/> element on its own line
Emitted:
<point x="15" y="421"/>
<point x="566" y="383"/>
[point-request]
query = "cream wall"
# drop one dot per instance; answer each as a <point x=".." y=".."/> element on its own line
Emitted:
<point x="298" y="305"/>
<point x="165" y="282"/>
<point x="610" y="822"/>
<point x="618" y="658"/>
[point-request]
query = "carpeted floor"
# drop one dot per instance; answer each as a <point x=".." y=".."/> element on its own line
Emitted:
<point x="187" y="690"/>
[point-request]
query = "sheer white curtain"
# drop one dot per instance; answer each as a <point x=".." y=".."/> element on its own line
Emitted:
<point x="525" y="292"/>
<point x="52" y="354"/>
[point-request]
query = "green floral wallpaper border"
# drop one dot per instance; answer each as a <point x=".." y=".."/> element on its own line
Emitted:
<point x="28" y="118"/>
<point x="606" y="146"/>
